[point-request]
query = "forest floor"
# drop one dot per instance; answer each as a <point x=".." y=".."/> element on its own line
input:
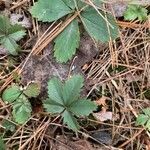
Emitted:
<point x="117" y="78"/>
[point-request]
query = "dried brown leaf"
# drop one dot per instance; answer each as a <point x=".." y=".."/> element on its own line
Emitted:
<point x="103" y="115"/>
<point x="101" y="101"/>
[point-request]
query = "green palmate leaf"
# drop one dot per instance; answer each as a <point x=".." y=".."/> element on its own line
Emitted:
<point x="10" y="45"/>
<point x="64" y="99"/>
<point x="4" y="24"/>
<point x="9" y="34"/>
<point x="97" y="2"/>
<point x="50" y="10"/>
<point x="148" y="124"/>
<point x="67" y="42"/>
<point x="83" y="107"/>
<point x="53" y="107"/>
<point x="72" y="89"/>
<point x="70" y="120"/>
<point x="135" y="11"/>
<point x="11" y="93"/>
<point x="9" y="126"/>
<point x="16" y="32"/>
<point x="144" y="119"/>
<point x="146" y="111"/>
<point x="70" y="3"/>
<point x="141" y="119"/>
<point x="21" y="110"/>
<point x="80" y="4"/>
<point x="2" y="144"/>
<point x="55" y="90"/>
<point x="32" y="90"/>
<point x="97" y="27"/>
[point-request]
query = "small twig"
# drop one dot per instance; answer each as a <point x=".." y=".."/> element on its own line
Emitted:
<point x="131" y="139"/>
<point x="18" y="4"/>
